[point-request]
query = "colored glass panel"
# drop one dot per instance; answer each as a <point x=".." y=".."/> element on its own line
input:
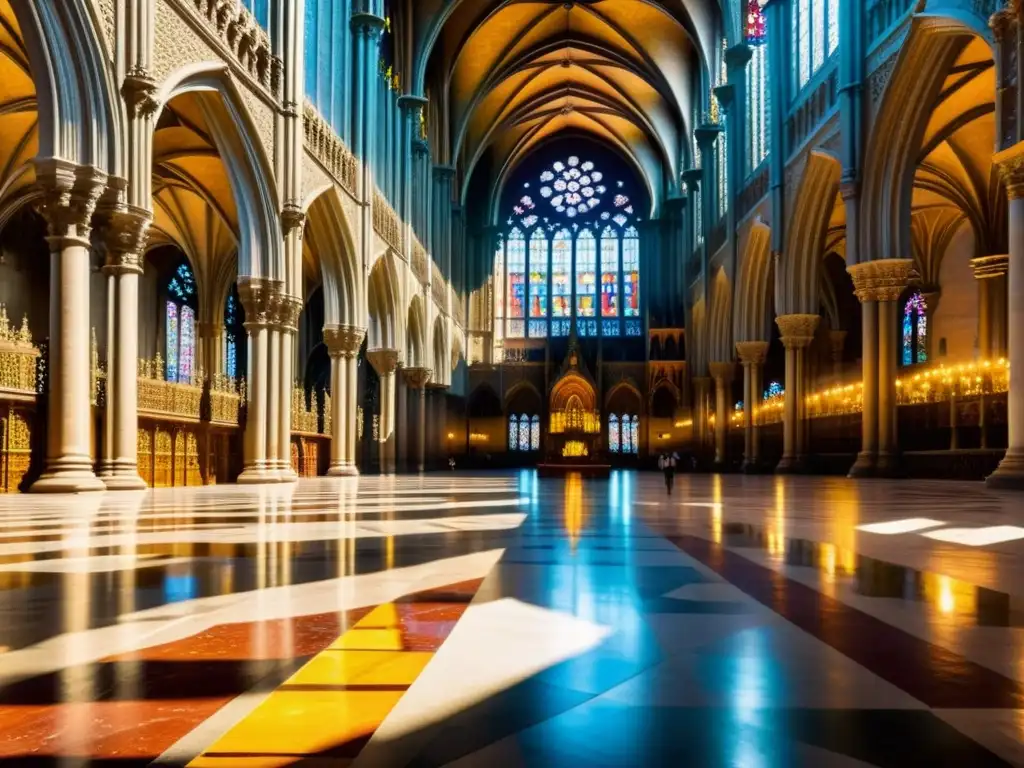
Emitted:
<point x="803" y="48"/>
<point x="634" y="433"/>
<point x="538" y="274"/>
<point x="818" y="35"/>
<point x="915" y="330"/>
<point x="538" y="329"/>
<point x="833" y="26"/>
<point x="231" y="361"/>
<point x="631" y="273"/>
<point x="613" y="433"/>
<point x="516" y="264"/>
<point x="758" y="105"/>
<point x="524" y="433"/>
<point x="755" y="31"/>
<point x="513" y="433"/>
<point x="609" y="273"/>
<point x="172" y="341"/>
<point x="586" y="274"/>
<point x="499" y="290"/>
<point x="186" y="355"/>
<point x="535" y="433"/>
<point x="561" y="269"/>
<point x="610" y="328"/>
<point x="722" y="150"/>
<point x="627" y="436"/>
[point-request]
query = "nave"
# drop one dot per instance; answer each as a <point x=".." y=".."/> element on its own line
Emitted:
<point x="502" y="619"/>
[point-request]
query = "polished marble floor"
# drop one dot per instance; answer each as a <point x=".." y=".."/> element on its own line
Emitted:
<point x="501" y="620"/>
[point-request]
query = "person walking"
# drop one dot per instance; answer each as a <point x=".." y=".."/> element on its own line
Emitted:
<point x="667" y="465"/>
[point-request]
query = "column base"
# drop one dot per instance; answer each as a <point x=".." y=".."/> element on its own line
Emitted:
<point x="287" y="476"/>
<point x="68" y="480"/>
<point x="1009" y="475"/>
<point x="343" y="470"/>
<point x="864" y="466"/>
<point x="888" y="465"/>
<point x="257" y="476"/>
<point x="790" y="465"/>
<point x="124" y="481"/>
<point x="752" y="467"/>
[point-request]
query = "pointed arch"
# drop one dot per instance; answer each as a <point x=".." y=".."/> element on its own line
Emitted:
<point x="442" y="360"/>
<point x="331" y="237"/>
<point x="753" y="288"/>
<point x="720" y="349"/>
<point x="416" y="335"/>
<point x="796" y="279"/>
<point x="382" y="304"/>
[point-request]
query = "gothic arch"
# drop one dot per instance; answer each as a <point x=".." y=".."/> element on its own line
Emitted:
<point x="753" y="288"/>
<point x="383" y="331"/>
<point x="523" y="391"/>
<point x="416" y="335"/>
<point x="622" y="391"/>
<point x="442" y="361"/>
<point x="719" y="331"/>
<point x="796" y="279"/>
<point x="330" y="237"/>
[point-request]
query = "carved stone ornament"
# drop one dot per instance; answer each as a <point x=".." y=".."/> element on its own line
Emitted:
<point x="384" y="361"/>
<point x="752" y="352"/>
<point x="882" y="279"/>
<point x="288" y="311"/>
<point x="797" y="330"/>
<point x="127" y="233"/>
<point x="139" y="92"/>
<point x="69" y="196"/>
<point x="293" y="217"/>
<point x="343" y="340"/>
<point x="722" y="372"/>
<point x="1002" y="23"/>
<point x="417" y="378"/>
<point x="261" y="299"/>
<point x="990" y="266"/>
<point x="1011" y="167"/>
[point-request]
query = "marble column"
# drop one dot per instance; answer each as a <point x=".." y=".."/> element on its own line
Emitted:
<point x="126" y="242"/>
<point x="1010" y="473"/>
<point x="417" y="380"/>
<point x="287" y="332"/>
<point x="722" y="373"/>
<point x="343" y="343"/>
<point x="69" y="197"/>
<point x="752" y="355"/>
<point x="878" y="285"/>
<point x="991" y="274"/>
<point x="260" y="299"/>
<point x="797" y="334"/>
<point x="385" y="363"/>
<point x="837" y="343"/>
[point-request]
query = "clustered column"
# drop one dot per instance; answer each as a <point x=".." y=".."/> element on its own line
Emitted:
<point x="722" y="373"/>
<point x="385" y="363"/>
<point x="343" y="343"/>
<point x="417" y="379"/>
<point x="1010" y="473"/>
<point x="70" y="194"/>
<point x="752" y="355"/>
<point x="797" y="334"/>
<point x="991" y="274"/>
<point x="260" y="299"/>
<point x="286" y="330"/>
<point x="878" y="285"/>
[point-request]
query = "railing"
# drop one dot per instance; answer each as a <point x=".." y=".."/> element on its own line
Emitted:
<point x="328" y="148"/>
<point x="385" y="221"/>
<point x="19" y="358"/>
<point x="813" y="110"/>
<point x="225" y="399"/>
<point x="882" y="15"/>
<point x="305" y="420"/>
<point x="231" y="22"/>
<point x="438" y="287"/>
<point x="158" y="397"/>
<point x="420" y="262"/>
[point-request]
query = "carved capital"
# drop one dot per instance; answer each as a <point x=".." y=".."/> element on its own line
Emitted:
<point x="343" y="340"/>
<point x="1002" y="23"/>
<point x="990" y="266"/>
<point x="287" y="315"/>
<point x="752" y="352"/>
<point x="882" y="279"/>
<point x="369" y="25"/>
<point x="139" y="92"/>
<point x="1011" y="167"/>
<point x="261" y="299"/>
<point x="292" y="218"/>
<point x="722" y="372"/>
<point x="126" y="233"/>
<point x="384" y="361"/>
<point x="70" y="193"/>
<point x="797" y="330"/>
<point x="417" y="378"/>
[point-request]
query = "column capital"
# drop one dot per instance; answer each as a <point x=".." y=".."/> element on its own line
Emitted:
<point x="990" y="266"/>
<point x="882" y="279"/>
<point x="417" y="378"/>
<point x="139" y="91"/>
<point x="722" y="372"/>
<point x="70" y="195"/>
<point x="1002" y="23"/>
<point x="286" y="318"/>
<point x="797" y="330"/>
<point x="343" y="340"/>
<point x="692" y="177"/>
<point x="384" y="361"/>
<point x="293" y="217"/>
<point x="369" y="25"/>
<point x="1011" y="167"/>
<point x="752" y="352"/>
<point x="411" y="104"/>
<point x="260" y="299"/>
<point x="125" y="234"/>
<point x="444" y="172"/>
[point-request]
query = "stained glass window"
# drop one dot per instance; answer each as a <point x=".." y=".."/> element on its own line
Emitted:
<point x="524" y="433"/>
<point x="561" y="268"/>
<point x="609" y="273"/>
<point x="231" y="336"/>
<point x="803" y="25"/>
<point x="513" y="433"/>
<point x="722" y="151"/>
<point x="187" y="331"/>
<point x="613" y="433"/>
<point x="833" y="26"/>
<point x="915" y="330"/>
<point x="634" y="434"/>
<point x="182" y="286"/>
<point x="758" y="105"/>
<point x="498" y="289"/>
<point x="815" y="35"/>
<point x="627" y="436"/>
<point x="586" y="273"/>
<point x="538" y="274"/>
<point x="535" y="433"/>
<point x="698" y="218"/>
<point x="755" y="32"/>
<point x="631" y="273"/>
<point x="172" y="341"/>
<point x="516" y="261"/>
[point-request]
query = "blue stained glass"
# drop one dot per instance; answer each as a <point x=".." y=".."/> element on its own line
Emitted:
<point x="186" y="355"/>
<point x="908" y="338"/>
<point x="560" y="327"/>
<point x="613" y="433"/>
<point x="915" y="330"/>
<point x="231" y="364"/>
<point x="634" y="433"/>
<point x="513" y="433"/>
<point x="610" y="328"/>
<point x="183" y="285"/>
<point x="633" y="328"/>
<point x="538" y="329"/>
<point x="627" y="436"/>
<point x="172" y="341"/>
<point x="535" y="433"/>
<point x="524" y="433"/>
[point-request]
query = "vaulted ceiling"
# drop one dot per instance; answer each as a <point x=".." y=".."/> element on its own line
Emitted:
<point x="513" y="74"/>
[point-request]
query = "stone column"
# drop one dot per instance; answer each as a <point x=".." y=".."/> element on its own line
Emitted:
<point x="701" y="393"/>
<point x="385" y="363"/>
<point x="343" y="343"/>
<point x="417" y="380"/>
<point x="287" y="330"/>
<point x="722" y="373"/>
<point x="1010" y="473"/>
<point x="837" y="343"/>
<point x="70" y="194"/>
<point x="126" y="241"/>
<point x="797" y="334"/>
<point x="878" y="285"/>
<point x="752" y="355"/>
<point x="260" y="299"/>
<point x="991" y="274"/>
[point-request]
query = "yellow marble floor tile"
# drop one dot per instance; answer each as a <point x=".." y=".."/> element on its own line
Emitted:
<point x="347" y="667"/>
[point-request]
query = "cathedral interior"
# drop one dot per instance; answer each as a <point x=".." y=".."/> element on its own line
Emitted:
<point x="511" y="382"/>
